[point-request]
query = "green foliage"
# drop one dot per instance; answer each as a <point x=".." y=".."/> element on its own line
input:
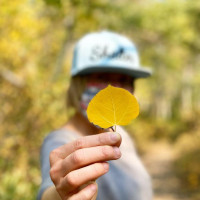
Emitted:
<point x="187" y="164"/>
<point x="36" y="40"/>
<point x="56" y="3"/>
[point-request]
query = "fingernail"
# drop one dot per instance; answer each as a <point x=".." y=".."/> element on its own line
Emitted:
<point x="117" y="152"/>
<point x="114" y="137"/>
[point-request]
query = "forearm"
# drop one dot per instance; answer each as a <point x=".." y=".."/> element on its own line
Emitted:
<point x="51" y="194"/>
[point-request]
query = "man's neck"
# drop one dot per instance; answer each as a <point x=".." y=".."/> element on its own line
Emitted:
<point x="82" y="126"/>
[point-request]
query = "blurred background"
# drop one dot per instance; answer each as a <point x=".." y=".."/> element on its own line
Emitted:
<point x="36" y="44"/>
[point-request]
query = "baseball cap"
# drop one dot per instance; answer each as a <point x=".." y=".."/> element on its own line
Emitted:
<point x="107" y="51"/>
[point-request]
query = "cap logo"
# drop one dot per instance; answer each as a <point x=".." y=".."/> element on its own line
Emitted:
<point x="101" y="52"/>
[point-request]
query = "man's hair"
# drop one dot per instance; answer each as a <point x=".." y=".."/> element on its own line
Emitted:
<point x="76" y="88"/>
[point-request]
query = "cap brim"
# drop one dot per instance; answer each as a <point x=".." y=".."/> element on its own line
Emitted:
<point x="135" y="73"/>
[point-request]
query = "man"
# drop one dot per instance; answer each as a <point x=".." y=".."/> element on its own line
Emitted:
<point x="80" y="152"/>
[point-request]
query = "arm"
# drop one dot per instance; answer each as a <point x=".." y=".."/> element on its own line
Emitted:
<point x="78" y="163"/>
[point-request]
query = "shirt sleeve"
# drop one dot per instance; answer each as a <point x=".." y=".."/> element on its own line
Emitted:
<point x="51" y="142"/>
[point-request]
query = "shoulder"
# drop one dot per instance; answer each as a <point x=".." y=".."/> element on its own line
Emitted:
<point x="57" y="138"/>
<point x="61" y="134"/>
<point x="126" y="138"/>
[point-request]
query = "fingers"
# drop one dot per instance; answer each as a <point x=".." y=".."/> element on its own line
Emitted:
<point x="86" y="156"/>
<point x="108" y="138"/>
<point x="87" y="193"/>
<point x="77" y="163"/>
<point x="79" y="177"/>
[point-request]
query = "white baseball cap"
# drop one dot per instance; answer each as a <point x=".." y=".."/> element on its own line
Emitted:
<point x="107" y="51"/>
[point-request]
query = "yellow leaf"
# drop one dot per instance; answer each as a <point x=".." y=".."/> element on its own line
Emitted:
<point x="112" y="106"/>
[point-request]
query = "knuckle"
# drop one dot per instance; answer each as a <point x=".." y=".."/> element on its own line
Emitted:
<point x="77" y="157"/>
<point x="79" y="143"/>
<point x="53" y="173"/>
<point x="71" y="181"/>
<point x="53" y="155"/>
<point x="106" y="150"/>
<point x="101" y="138"/>
<point x="97" y="168"/>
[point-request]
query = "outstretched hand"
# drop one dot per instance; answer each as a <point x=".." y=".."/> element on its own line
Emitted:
<point x="75" y="166"/>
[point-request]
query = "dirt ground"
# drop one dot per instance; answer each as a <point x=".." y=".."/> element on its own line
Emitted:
<point x="158" y="161"/>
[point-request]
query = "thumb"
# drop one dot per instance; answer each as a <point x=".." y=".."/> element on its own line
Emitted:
<point x="95" y="195"/>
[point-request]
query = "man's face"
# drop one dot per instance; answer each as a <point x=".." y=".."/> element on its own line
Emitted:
<point x="102" y="80"/>
<point x="98" y="81"/>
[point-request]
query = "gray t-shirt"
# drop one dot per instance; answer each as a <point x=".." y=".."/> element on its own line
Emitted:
<point x="127" y="178"/>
